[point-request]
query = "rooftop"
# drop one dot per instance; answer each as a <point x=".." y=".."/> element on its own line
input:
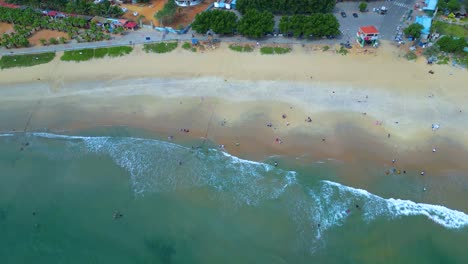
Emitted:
<point x="369" y="30"/>
<point x="430" y="5"/>
<point x="426" y="22"/>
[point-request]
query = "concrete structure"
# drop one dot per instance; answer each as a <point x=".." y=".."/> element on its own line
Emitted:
<point x="188" y="2"/>
<point x="431" y="5"/>
<point x="426" y="22"/>
<point x="367" y="35"/>
<point x="228" y="4"/>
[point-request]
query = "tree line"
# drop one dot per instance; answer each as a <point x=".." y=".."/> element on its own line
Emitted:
<point x="314" y="25"/>
<point x="28" y="21"/>
<point x="256" y="24"/>
<point x="287" y="7"/>
<point x="82" y="7"/>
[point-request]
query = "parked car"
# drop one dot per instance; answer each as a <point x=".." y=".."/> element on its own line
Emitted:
<point x="343" y="14"/>
<point x="124" y="9"/>
<point x="355" y="15"/>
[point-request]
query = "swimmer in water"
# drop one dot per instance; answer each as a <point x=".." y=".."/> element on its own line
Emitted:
<point x="276" y="163"/>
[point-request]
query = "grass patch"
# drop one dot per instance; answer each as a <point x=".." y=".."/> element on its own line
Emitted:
<point x="442" y="60"/>
<point x="343" y="51"/>
<point x="325" y="48"/>
<point x="26" y="60"/>
<point x="274" y="50"/>
<point x="78" y="55"/>
<point x="119" y="51"/>
<point x="100" y="52"/>
<point x="187" y="46"/>
<point x="450" y="29"/>
<point x="162" y="47"/>
<point x="241" y="48"/>
<point x="411" y="55"/>
<point x="87" y="54"/>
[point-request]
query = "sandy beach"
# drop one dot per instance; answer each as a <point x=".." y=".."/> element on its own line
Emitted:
<point x="284" y="158"/>
<point x="367" y="105"/>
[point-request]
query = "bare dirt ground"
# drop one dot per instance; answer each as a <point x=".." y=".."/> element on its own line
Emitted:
<point x="46" y="34"/>
<point x="184" y="15"/>
<point x="147" y="10"/>
<point x="6" y="28"/>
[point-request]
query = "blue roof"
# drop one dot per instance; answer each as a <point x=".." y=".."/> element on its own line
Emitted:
<point x="426" y="22"/>
<point x="430" y="5"/>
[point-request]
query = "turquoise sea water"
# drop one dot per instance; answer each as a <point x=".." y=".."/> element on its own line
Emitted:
<point x="58" y="196"/>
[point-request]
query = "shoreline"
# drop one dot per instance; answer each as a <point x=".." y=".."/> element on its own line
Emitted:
<point x="103" y="93"/>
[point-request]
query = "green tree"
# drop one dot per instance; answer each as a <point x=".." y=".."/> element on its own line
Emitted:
<point x="363" y="6"/>
<point x="413" y="30"/>
<point x="255" y="24"/>
<point x="221" y="22"/>
<point x="452" y="45"/>
<point x="167" y="13"/>
<point x="453" y="5"/>
<point x="43" y="42"/>
<point x="287" y="6"/>
<point x="53" y="41"/>
<point x="315" y="25"/>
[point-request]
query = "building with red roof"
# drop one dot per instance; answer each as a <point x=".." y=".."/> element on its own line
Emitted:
<point x="367" y="35"/>
<point x="131" y="25"/>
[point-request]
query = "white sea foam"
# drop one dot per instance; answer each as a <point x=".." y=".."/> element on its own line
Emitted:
<point x="6" y="135"/>
<point x="378" y="206"/>
<point x="152" y="166"/>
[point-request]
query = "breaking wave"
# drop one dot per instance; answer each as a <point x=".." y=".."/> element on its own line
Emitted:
<point x="154" y="166"/>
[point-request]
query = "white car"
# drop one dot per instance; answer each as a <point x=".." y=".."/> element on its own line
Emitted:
<point x="135" y="13"/>
<point x="124" y="9"/>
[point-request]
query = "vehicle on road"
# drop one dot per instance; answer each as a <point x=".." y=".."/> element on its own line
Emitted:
<point x="343" y="14"/>
<point x="124" y="9"/>
<point x="355" y="15"/>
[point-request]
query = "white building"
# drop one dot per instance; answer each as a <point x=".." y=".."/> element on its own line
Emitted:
<point x="187" y="2"/>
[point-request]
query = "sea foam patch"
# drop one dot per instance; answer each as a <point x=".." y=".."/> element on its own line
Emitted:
<point x="155" y="166"/>
<point x="377" y="206"/>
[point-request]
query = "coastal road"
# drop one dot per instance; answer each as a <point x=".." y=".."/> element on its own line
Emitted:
<point x="387" y="25"/>
<point x="144" y="36"/>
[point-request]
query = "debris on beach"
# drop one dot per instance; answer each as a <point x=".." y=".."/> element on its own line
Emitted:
<point x="435" y="127"/>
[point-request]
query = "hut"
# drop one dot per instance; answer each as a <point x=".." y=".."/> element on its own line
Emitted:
<point x="131" y="25"/>
<point x="367" y="35"/>
<point x="99" y="20"/>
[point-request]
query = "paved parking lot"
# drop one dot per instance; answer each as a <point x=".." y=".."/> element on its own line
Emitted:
<point x="386" y="24"/>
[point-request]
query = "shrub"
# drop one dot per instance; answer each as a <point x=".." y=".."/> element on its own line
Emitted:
<point x="162" y="47"/>
<point x="274" y="50"/>
<point x="26" y="60"/>
<point x="241" y="48"/>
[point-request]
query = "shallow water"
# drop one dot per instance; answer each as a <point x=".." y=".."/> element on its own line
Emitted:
<point x="200" y="205"/>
